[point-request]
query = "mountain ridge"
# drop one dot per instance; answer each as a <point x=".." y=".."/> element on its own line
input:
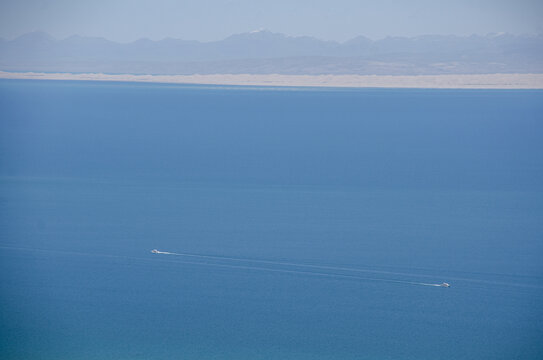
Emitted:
<point x="264" y="52"/>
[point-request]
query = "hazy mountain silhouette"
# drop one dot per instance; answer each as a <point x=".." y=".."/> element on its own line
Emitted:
<point x="266" y="52"/>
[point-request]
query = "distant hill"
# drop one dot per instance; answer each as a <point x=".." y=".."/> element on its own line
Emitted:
<point x="264" y="52"/>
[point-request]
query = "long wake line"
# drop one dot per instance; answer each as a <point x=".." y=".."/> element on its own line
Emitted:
<point x="128" y="257"/>
<point x="271" y="262"/>
<point x="294" y="271"/>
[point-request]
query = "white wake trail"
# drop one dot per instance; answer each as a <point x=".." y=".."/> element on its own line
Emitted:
<point x="313" y="273"/>
<point x="271" y="262"/>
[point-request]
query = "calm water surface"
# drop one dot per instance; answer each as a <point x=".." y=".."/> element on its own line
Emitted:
<point x="352" y="188"/>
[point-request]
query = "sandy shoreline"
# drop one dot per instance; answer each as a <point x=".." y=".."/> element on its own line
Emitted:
<point x="471" y="81"/>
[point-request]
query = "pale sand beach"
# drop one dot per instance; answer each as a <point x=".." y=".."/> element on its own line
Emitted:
<point x="467" y="81"/>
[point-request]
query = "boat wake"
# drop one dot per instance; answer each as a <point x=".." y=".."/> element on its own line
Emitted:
<point x="155" y="251"/>
<point x="312" y="273"/>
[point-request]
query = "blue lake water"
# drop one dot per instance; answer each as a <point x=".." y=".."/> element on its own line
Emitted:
<point x="366" y="194"/>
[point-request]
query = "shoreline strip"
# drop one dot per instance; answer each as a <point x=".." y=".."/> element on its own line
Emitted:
<point x="463" y="81"/>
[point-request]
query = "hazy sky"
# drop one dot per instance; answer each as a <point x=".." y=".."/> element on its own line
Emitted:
<point x="205" y="20"/>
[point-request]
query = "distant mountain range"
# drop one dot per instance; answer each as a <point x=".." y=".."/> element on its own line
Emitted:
<point x="264" y="52"/>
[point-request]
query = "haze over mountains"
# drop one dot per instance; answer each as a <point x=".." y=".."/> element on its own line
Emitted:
<point x="264" y="52"/>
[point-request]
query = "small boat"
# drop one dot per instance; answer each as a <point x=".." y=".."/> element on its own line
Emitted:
<point x="445" y="285"/>
<point x="155" y="251"/>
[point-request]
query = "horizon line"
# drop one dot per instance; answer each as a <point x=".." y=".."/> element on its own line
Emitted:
<point x="259" y="31"/>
